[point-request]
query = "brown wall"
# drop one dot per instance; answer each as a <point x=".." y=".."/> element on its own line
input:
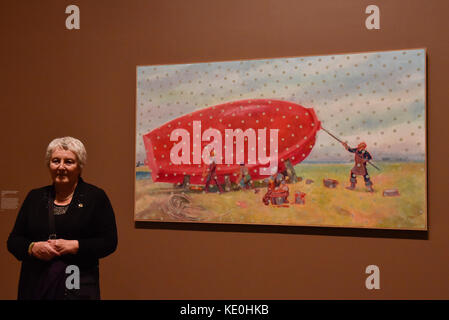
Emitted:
<point x="56" y="82"/>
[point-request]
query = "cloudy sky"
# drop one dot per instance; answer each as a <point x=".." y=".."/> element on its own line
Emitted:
<point x="375" y="97"/>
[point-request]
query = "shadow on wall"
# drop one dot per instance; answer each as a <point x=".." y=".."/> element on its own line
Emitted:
<point x="326" y="231"/>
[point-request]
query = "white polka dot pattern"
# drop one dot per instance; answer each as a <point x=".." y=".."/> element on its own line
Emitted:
<point x="376" y="97"/>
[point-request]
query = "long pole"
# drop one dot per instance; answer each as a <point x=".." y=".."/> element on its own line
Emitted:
<point x="332" y="135"/>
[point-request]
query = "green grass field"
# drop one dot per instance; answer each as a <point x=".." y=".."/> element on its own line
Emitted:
<point x="323" y="206"/>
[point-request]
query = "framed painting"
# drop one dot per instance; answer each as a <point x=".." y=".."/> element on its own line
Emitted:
<point x="333" y="140"/>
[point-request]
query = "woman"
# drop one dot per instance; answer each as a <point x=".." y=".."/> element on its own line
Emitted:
<point x="69" y="223"/>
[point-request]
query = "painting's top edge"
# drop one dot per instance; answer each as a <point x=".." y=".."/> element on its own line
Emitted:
<point x="278" y="57"/>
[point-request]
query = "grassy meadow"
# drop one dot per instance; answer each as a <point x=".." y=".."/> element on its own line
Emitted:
<point x="323" y="206"/>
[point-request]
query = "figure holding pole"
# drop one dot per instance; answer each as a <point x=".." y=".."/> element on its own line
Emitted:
<point x="361" y="158"/>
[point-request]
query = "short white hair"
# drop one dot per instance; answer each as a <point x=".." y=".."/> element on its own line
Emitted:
<point x="67" y="143"/>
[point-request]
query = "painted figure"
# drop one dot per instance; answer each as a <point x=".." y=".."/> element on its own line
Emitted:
<point x="283" y="190"/>
<point x="211" y="174"/>
<point x="244" y="177"/>
<point x="361" y="157"/>
<point x="277" y="192"/>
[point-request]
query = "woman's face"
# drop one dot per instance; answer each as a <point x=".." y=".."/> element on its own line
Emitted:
<point x="64" y="166"/>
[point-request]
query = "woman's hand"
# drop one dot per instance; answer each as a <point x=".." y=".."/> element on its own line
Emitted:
<point x="44" y="251"/>
<point x="62" y="246"/>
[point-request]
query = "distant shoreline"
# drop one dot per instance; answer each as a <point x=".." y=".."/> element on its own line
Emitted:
<point x="143" y="172"/>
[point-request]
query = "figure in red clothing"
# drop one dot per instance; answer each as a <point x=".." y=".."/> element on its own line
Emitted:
<point x="277" y="192"/>
<point x="361" y="157"/>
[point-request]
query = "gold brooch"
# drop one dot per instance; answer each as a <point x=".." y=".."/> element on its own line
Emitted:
<point x="80" y="205"/>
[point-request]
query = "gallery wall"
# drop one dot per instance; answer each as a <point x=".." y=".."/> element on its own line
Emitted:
<point x="58" y="82"/>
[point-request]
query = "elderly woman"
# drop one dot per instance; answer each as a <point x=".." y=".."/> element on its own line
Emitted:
<point x="68" y="223"/>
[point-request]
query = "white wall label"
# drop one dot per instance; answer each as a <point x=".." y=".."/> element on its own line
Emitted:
<point x="373" y="20"/>
<point x="373" y="280"/>
<point x="9" y="200"/>
<point x="73" y="20"/>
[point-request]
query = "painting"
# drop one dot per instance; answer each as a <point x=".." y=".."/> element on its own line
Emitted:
<point x="335" y="140"/>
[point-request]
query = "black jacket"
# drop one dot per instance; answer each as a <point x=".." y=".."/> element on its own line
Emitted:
<point x="89" y="219"/>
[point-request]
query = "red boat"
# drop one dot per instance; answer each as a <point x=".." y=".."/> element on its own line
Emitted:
<point x="185" y="147"/>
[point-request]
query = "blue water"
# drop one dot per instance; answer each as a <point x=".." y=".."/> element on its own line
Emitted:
<point x="140" y="175"/>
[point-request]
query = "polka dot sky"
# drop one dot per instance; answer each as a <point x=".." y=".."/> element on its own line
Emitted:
<point x="375" y="97"/>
